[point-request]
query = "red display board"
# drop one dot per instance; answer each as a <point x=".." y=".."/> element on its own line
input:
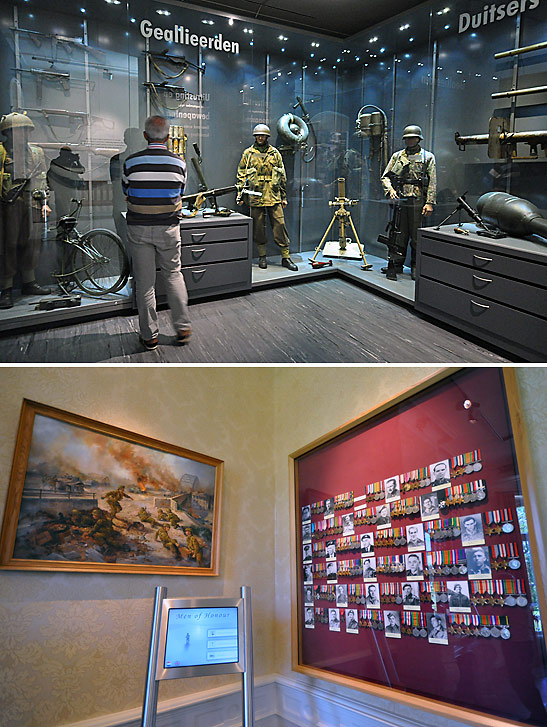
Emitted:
<point x="414" y="565"/>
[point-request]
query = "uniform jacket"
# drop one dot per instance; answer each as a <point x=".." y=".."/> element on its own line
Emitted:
<point x="402" y="164"/>
<point x="264" y="172"/>
<point x="34" y="168"/>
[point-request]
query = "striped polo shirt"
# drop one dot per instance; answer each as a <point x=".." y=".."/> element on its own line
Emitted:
<point x="153" y="180"/>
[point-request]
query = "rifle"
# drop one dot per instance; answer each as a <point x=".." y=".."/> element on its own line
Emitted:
<point x="393" y="228"/>
<point x="62" y="78"/>
<point x="196" y="200"/>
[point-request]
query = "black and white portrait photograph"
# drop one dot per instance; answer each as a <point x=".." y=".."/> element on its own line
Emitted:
<point x="372" y="596"/>
<point x="347" y="524"/>
<point x="471" y="530"/>
<point x="332" y="573"/>
<point x="392" y="624"/>
<point x="429" y="506"/>
<point x="308" y="574"/>
<point x="309" y="617"/>
<point x="334" y="619"/>
<point x="436" y="628"/>
<point x="392" y="488"/>
<point x="415" y="539"/>
<point x="458" y="596"/>
<point x="342" y="595"/>
<point x="308" y="595"/>
<point x="306" y="553"/>
<point x="414" y="566"/>
<point x="367" y="543"/>
<point x="369" y="569"/>
<point x="330" y="549"/>
<point x="411" y="596"/>
<point x="478" y="563"/>
<point x="306" y="513"/>
<point x="352" y="624"/>
<point x="383" y="517"/>
<point x="439" y="474"/>
<point x="306" y="532"/>
<point x="329" y="507"/>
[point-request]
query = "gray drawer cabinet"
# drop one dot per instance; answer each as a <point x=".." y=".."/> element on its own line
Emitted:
<point x="216" y="254"/>
<point x="493" y="289"/>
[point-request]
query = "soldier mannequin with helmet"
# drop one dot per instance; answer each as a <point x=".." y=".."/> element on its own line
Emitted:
<point x="261" y="166"/>
<point x="24" y="191"/>
<point x="410" y="177"/>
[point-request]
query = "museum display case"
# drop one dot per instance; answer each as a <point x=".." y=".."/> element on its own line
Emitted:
<point x="417" y="553"/>
<point x="82" y="78"/>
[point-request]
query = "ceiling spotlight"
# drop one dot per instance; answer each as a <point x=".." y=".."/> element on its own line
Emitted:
<point x="405" y="27"/>
<point x="231" y="21"/>
<point x="159" y="12"/>
<point x="373" y="39"/>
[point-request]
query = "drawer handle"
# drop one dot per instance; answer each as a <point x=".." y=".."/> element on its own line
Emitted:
<point x="480" y="305"/>
<point x="486" y="259"/>
<point x="483" y="280"/>
<point x="198" y="236"/>
<point x="199" y="272"/>
<point x="196" y="250"/>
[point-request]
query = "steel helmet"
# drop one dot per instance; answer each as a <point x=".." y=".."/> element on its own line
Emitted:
<point x="261" y="129"/>
<point x="412" y="131"/>
<point x="15" y="120"/>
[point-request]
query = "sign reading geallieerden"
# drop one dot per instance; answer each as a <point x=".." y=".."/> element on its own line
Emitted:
<point x="491" y="13"/>
<point x="180" y="34"/>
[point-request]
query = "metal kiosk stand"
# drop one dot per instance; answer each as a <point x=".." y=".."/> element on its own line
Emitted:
<point x="200" y="637"/>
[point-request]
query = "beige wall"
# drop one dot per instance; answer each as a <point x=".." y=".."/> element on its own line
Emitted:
<point x="74" y="645"/>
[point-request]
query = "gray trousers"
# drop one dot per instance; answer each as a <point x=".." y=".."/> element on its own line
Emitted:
<point x="411" y="220"/>
<point x="154" y="246"/>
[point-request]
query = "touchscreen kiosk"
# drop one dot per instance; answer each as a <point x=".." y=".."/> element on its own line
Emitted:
<point x="196" y="640"/>
<point x="199" y="637"/>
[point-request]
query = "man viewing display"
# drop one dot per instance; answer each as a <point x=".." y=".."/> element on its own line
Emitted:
<point x="153" y="181"/>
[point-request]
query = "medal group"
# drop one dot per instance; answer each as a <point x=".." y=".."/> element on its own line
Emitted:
<point x="446" y="566"/>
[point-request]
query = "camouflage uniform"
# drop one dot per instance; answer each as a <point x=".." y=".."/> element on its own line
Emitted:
<point x="19" y="246"/>
<point x="263" y="170"/>
<point x="402" y="168"/>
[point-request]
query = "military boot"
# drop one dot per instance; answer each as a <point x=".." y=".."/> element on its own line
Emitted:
<point x="398" y="268"/>
<point x="392" y="270"/>
<point x="6" y="298"/>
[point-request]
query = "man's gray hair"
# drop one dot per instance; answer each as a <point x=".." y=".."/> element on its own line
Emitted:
<point x="156" y="128"/>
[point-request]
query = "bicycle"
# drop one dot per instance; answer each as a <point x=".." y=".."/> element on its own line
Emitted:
<point x="95" y="262"/>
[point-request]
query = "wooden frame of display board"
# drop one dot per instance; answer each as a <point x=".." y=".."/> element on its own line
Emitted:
<point x="469" y="645"/>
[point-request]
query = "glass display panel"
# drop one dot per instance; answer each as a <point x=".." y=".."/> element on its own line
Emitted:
<point x="414" y="559"/>
<point x="200" y="636"/>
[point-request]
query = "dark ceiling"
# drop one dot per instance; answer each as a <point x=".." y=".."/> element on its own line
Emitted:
<point x="337" y="18"/>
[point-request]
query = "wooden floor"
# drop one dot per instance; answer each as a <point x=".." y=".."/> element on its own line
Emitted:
<point x="325" y="321"/>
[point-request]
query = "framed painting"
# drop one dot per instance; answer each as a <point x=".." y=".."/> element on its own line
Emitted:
<point x="89" y="496"/>
<point x="422" y="513"/>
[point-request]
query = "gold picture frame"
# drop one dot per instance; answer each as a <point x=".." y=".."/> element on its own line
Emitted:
<point x="314" y="652"/>
<point x="89" y="496"/>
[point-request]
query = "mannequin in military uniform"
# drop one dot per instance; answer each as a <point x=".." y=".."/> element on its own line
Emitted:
<point x="410" y="177"/>
<point x="24" y="191"/>
<point x="261" y="166"/>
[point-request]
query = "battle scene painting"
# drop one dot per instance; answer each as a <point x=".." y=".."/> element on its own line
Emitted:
<point x="90" y="497"/>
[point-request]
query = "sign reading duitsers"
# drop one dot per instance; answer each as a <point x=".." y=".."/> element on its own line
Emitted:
<point x="491" y="13"/>
<point x="180" y="34"/>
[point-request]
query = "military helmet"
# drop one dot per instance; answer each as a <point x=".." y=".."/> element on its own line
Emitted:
<point x="15" y="120"/>
<point x="261" y="129"/>
<point x="412" y="130"/>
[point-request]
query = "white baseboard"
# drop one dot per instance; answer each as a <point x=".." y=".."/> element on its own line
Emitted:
<point x="296" y="699"/>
